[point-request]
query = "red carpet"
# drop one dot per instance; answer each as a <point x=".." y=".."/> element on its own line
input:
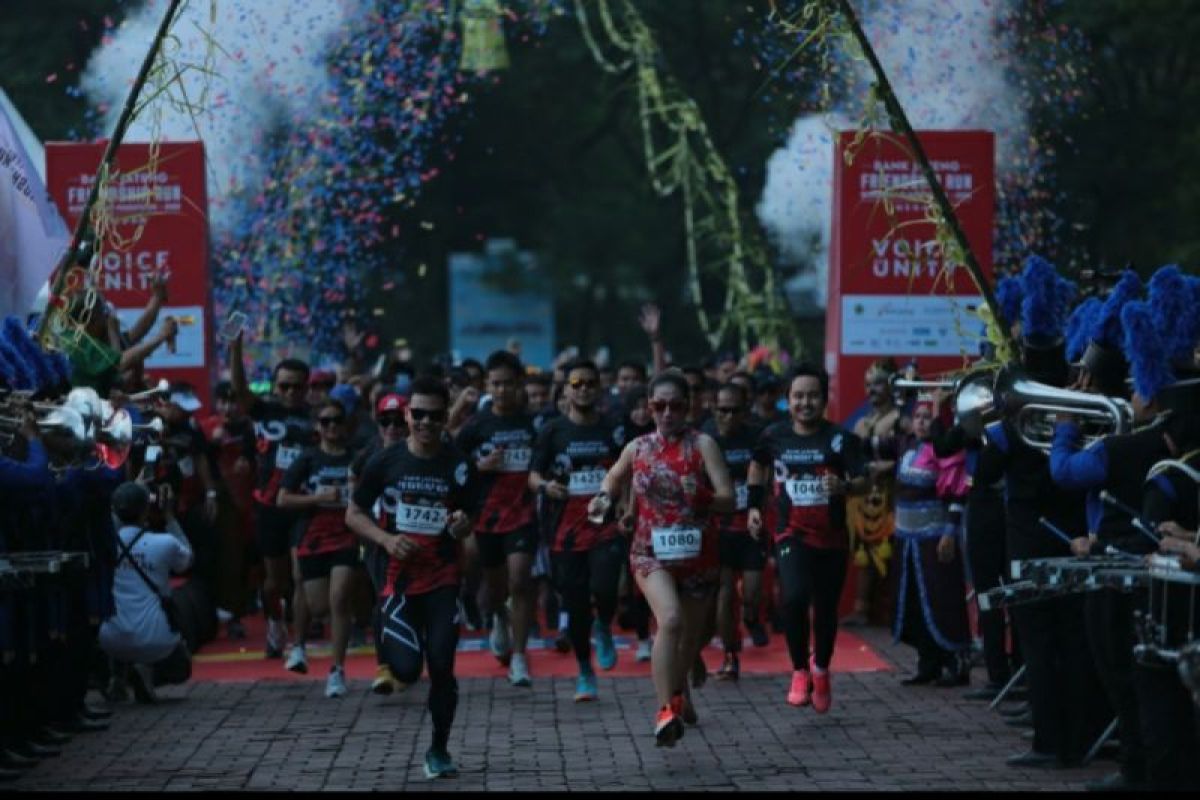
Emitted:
<point x="225" y="660"/>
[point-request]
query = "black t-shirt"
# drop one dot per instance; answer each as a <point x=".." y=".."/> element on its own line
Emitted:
<point x="738" y="449"/>
<point x="281" y="434"/>
<point x="325" y="527"/>
<point x="414" y="496"/>
<point x="578" y="456"/>
<point x="508" y="503"/>
<point x="799" y="463"/>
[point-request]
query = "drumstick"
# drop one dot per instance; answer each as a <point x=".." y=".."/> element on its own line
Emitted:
<point x="1057" y="531"/>
<point x="1142" y="527"/>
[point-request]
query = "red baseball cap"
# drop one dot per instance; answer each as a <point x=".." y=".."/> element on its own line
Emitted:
<point x="391" y="402"/>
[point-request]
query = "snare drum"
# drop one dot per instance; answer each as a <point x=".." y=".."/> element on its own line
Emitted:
<point x="1169" y="624"/>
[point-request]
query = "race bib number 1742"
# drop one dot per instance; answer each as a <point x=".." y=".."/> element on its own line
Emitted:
<point x="421" y="520"/>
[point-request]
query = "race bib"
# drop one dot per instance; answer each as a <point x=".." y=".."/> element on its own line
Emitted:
<point x="187" y="467"/>
<point x="585" y="482"/>
<point x="741" y="496"/>
<point x="284" y="456"/>
<point x="675" y="544"/>
<point x="516" y="459"/>
<point x="421" y="520"/>
<point x="806" y="491"/>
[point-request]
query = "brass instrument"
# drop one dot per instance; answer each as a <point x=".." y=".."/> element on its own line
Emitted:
<point x="1033" y="408"/>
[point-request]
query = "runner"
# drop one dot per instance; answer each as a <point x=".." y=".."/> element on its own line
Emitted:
<point x="678" y="478"/>
<point x="426" y="493"/>
<point x="739" y="553"/>
<point x="316" y="484"/>
<point x="389" y="415"/>
<point x="500" y="441"/>
<point x="570" y="459"/>
<point x="283" y="428"/>
<point x="815" y="463"/>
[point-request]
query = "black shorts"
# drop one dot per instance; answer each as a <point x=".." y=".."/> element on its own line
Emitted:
<point x="273" y="531"/>
<point x="495" y="548"/>
<point x="320" y="565"/>
<point x="741" y="552"/>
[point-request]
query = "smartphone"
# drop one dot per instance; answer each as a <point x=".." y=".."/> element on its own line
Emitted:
<point x="232" y="326"/>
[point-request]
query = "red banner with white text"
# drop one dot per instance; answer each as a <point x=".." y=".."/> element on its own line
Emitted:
<point x="889" y="292"/>
<point x="159" y="203"/>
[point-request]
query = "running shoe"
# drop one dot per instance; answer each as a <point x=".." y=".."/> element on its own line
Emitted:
<point x="500" y="641"/>
<point x="518" y="671"/>
<point x="585" y="687"/>
<point x="730" y="670"/>
<point x="667" y="728"/>
<point x="297" y="660"/>
<point x="699" y="672"/>
<point x="822" y="697"/>
<point x="645" y="648"/>
<point x="562" y="642"/>
<point x="335" y="684"/>
<point x="798" y="694"/>
<point x="438" y="764"/>
<point x="385" y="682"/>
<point x="758" y="634"/>
<point x="276" y="639"/>
<point x="606" y="651"/>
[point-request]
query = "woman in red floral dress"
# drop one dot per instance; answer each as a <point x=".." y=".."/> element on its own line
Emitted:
<point x="679" y="481"/>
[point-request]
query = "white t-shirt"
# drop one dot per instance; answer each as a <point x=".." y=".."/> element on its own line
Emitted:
<point x="138" y="633"/>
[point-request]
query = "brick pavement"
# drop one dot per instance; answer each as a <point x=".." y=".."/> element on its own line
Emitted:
<point x="283" y="735"/>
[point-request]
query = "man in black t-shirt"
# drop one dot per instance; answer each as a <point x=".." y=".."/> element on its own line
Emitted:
<point x="283" y="428"/>
<point x="416" y="500"/>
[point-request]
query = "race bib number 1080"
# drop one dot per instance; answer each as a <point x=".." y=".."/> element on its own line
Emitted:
<point x="675" y="544"/>
<point x="421" y="520"/>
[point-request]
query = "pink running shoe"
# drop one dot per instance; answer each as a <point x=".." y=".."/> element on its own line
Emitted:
<point x="821" y="697"/>
<point x="798" y="694"/>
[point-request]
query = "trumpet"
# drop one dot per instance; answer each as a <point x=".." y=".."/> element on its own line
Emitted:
<point x="61" y="419"/>
<point x="900" y="383"/>
<point x="1033" y="407"/>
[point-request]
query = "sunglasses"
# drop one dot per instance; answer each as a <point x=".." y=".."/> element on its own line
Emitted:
<point x="583" y="383"/>
<point x="289" y="387"/>
<point x="391" y="421"/>
<point x="419" y="414"/>
<point x="728" y="409"/>
<point x="330" y="420"/>
<point x="659" y="406"/>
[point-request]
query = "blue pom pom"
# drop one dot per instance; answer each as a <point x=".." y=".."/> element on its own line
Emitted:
<point x="1148" y="361"/>
<point x="1008" y="295"/>
<point x="1175" y="312"/>
<point x="1079" y="326"/>
<point x="1045" y="299"/>
<point x="1106" y="327"/>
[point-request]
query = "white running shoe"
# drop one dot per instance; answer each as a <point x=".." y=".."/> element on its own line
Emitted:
<point x="644" y="648"/>
<point x="297" y="660"/>
<point x="276" y="638"/>
<point x="500" y="640"/>
<point x="335" y="684"/>
<point x="518" y="671"/>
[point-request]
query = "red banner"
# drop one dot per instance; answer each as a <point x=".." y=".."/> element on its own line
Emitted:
<point x="888" y="292"/>
<point x="160" y="206"/>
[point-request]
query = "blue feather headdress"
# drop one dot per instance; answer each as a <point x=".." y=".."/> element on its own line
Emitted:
<point x="1176" y="315"/>
<point x="1046" y="296"/>
<point x="1008" y="295"/>
<point x="1106" y="325"/>
<point x="1145" y="350"/>
<point x="42" y="370"/>
<point x="1079" y="327"/>
<point x="8" y="371"/>
<point x="22" y="375"/>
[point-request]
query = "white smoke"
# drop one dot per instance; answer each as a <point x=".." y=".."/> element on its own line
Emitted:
<point x="946" y="62"/>
<point x="268" y="59"/>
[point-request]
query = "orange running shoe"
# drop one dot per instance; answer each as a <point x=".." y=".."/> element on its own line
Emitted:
<point x="798" y="694"/>
<point x="821" y="697"/>
<point x="667" y="727"/>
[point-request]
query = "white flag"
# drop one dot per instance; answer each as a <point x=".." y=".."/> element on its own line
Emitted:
<point x="33" y="236"/>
